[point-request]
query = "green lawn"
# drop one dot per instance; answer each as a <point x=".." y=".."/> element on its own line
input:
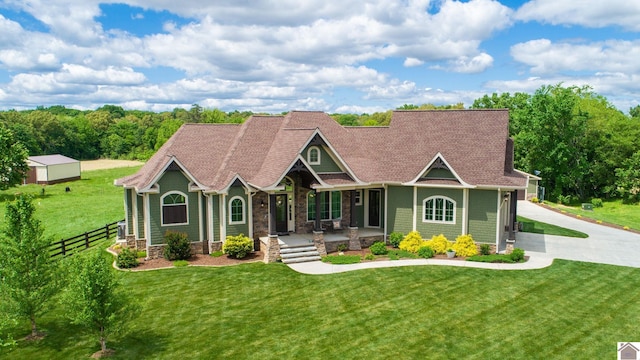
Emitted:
<point x="538" y="227"/>
<point x="92" y="202"/>
<point x="264" y="311"/>
<point x="613" y="212"/>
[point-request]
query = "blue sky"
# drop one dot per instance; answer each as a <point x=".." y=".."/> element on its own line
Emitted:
<point x="335" y="56"/>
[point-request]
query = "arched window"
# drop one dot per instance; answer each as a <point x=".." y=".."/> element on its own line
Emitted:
<point x="439" y="209"/>
<point x="313" y="155"/>
<point x="236" y="210"/>
<point x="174" y="209"/>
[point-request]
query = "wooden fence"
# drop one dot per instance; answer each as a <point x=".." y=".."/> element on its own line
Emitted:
<point x="84" y="241"/>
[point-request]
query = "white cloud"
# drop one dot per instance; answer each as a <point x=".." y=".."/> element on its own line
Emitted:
<point x="467" y="65"/>
<point x="411" y="62"/>
<point x="546" y="57"/>
<point x="588" y="13"/>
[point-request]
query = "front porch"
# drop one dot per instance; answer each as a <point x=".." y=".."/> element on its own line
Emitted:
<point x="310" y="246"/>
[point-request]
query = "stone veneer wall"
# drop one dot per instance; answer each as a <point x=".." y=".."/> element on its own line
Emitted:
<point x="157" y="251"/>
<point x="260" y="215"/>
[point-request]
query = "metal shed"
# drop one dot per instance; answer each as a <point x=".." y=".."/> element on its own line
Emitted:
<point x="52" y="169"/>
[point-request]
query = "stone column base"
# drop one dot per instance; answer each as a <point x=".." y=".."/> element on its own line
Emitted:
<point x="510" y="245"/>
<point x="354" y="239"/>
<point x="272" y="250"/>
<point x="318" y="241"/>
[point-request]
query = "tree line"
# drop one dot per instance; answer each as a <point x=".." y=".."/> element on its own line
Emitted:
<point x="581" y="145"/>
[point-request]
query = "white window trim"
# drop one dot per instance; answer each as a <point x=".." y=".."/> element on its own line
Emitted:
<point x="162" y="205"/>
<point x="309" y="155"/>
<point x="330" y="203"/>
<point x="244" y="211"/>
<point x="443" y="221"/>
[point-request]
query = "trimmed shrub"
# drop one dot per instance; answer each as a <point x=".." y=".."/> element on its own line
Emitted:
<point x="237" y="246"/>
<point x="178" y="246"/>
<point x="425" y="252"/>
<point x="465" y="246"/>
<point x="127" y="259"/>
<point x="378" y="248"/>
<point x="596" y="202"/>
<point x="439" y="244"/>
<point x="517" y="255"/>
<point x="412" y="242"/>
<point x="534" y="200"/>
<point x="370" y="257"/>
<point x="395" y="238"/>
<point x="342" y="247"/>
<point x="485" y="249"/>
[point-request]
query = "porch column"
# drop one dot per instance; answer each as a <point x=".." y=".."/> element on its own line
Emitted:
<point x="353" y="222"/>
<point x="272" y="250"/>
<point x="513" y="208"/>
<point x="317" y="225"/>
<point x="272" y="215"/>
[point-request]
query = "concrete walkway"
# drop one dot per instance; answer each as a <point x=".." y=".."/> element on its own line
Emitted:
<point x="604" y="245"/>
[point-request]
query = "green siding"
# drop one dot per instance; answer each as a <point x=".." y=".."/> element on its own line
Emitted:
<point x="483" y="215"/>
<point x="399" y="209"/>
<point x="140" y="217"/>
<point x="128" y="213"/>
<point x="440" y="174"/>
<point x="216" y="218"/>
<point x="236" y="229"/>
<point x="532" y="189"/>
<point x="426" y="229"/>
<point x="327" y="165"/>
<point x="173" y="181"/>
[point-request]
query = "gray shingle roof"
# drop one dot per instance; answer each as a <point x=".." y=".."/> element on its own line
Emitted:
<point x="472" y="142"/>
<point x="56" y="159"/>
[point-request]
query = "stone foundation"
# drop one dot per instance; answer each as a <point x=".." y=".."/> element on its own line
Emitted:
<point x="510" y="245"/>
<point x="131" y="241"/>
<point x="366" y="242"/>
<point x="157" y="251"/>
<point x="272" y="251"/>
<point x="332" y="246"/>
<point x="141" y="244"/>
<point x="215" y="246"/>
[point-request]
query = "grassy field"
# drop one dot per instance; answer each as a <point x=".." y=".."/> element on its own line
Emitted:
<point x="92" y="202"/>
<point x="259" y="311"/>
<point x="613" y="212"/>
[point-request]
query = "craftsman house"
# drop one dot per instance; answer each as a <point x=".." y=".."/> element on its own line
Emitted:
<point x="302" y="181"/>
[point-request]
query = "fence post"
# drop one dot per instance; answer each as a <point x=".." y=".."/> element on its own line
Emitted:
<point x="107" y="231"/>
<point x="86" y="239"/>
<point x="64" y="251"/>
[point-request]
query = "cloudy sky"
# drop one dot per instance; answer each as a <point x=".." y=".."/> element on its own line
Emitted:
<point x="349" y="56"/>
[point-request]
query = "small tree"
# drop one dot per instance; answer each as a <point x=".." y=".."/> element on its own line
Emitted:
<point x="95" y="298"/>
<point x="27" y="273"/>
<point x="13" y="160"/>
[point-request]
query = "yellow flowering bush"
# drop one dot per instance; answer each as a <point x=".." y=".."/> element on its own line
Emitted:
<point x="439" y="244"/>
<point x="465" y="246"/>
<point x="412" y="242"/>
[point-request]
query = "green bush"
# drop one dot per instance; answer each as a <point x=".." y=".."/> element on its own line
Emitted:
<point x="178" y="246"/>
<point x="141" y="254"/>
<point x="342" y="247"/>
<point x="596" y="202"/>
<point x="126" y="259"/>
<point x="485" y="249"/>
<point x="425" y="252"/>
<point x="237" y="246"/>
<point x="378" y="248"/>
<point x="370" y="257"/>
<point x="395" y="238"/>
<point x="517" y="255"/>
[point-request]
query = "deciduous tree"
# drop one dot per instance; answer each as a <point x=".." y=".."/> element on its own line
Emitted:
<point x="27" y="272"/>
<point x="13" y="160"/>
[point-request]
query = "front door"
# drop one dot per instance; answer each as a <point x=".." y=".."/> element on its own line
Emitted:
<point x="374" y="208"/>
<point x="282" y="214"/>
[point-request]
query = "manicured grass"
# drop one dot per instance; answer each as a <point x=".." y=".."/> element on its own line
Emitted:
<point x="259" y="311"/>
<point x="92" y="202"/>
<point x="613" y="212"/>
<point x="492" y="258"/>
<point x="538" y="227"/>
<point x="341" y="259"/>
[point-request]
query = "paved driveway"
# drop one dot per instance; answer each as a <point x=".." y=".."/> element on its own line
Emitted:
<point x="604" y="245"/>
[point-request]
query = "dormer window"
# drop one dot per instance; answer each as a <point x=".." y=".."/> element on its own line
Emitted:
<point x="313" y="155"/>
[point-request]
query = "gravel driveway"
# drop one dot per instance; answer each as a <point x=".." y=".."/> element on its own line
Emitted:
<point x="604" y="245"/>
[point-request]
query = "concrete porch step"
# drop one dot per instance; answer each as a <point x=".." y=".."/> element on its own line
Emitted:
<point x="299" y="253"/>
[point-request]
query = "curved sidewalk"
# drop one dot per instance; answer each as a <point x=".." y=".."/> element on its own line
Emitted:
<point x="320" y="268"/>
